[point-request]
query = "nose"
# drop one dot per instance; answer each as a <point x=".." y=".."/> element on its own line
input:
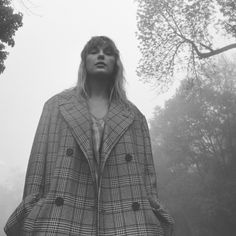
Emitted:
<point x="101" y="54"/>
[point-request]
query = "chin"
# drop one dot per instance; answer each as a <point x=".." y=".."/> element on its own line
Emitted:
<point x="102" y="73"/>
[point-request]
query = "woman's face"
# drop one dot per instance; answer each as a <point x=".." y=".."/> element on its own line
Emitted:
<point x="100" y="60"/>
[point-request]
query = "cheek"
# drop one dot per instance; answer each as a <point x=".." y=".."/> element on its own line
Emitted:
<point x="88" y="63"/>
<point x="112" y="63"/>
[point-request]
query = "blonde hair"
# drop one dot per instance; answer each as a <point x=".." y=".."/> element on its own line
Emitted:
<point x="116" y="90"/>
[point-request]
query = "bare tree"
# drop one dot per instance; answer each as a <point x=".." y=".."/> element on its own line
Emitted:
<point x="179" y="35"/>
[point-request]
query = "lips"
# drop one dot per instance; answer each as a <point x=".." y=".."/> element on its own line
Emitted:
<point x="100" y="64"/>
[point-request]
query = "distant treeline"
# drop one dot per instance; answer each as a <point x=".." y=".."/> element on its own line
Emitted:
<point x="194" y="143"/>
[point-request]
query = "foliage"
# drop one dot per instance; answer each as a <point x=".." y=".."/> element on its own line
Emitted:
<point x="228" y="9"/>
<point x="194" y="137"/>
<point x="9" y="24"/>
<point x="176" y="36"/>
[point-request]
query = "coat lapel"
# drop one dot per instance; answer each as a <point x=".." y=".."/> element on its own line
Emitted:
<point x="118" y="120"/>
<point x="76" y="114"/>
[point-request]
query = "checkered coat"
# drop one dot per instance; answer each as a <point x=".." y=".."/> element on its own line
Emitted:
<point x="62" y="195"/>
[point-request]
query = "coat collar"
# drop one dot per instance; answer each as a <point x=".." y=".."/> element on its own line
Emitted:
<point x="76" y="114"/>
<point x="118" y="120"/>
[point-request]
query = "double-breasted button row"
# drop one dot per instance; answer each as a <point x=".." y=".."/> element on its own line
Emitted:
<point x="128" y="157"/>
<point x="59" y="201"/>
<point x="69" y="151"/>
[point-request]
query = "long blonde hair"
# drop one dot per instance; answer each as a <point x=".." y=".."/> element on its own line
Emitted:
<point x="116" y="90"/>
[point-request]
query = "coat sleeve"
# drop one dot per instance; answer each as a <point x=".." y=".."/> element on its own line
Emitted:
<point x="34" y="182"/>
<point x="151" y="182"/>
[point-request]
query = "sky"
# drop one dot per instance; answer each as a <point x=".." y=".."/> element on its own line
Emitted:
<point x="45" y="59"/>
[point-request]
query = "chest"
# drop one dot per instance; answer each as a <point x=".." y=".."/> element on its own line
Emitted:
<point x="64" y="146"/>
<point x="98" y="108"/>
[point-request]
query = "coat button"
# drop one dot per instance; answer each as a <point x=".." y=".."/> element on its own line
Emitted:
<point x="69" y="152"/>
<point x="128" y="157"/>
<point x="59" y="201"/>
<point x="36" y="198"/>
<point x="135" y="206"/>
<point x="102" y="211"/>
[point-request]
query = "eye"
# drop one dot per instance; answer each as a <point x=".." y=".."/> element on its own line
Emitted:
<point x="109" y="51"/>
<point x="93" y="50"/>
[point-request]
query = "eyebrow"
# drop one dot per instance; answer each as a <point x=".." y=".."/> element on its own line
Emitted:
<point x="105" y="47"/>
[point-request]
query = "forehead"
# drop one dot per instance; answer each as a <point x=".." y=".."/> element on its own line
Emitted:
<point x="100" y="43"/>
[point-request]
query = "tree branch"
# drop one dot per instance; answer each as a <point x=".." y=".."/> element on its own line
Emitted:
<point x="207" y="47"/>
<point x="203" y="55"/>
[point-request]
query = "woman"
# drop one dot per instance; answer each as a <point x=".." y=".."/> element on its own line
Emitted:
<point x="91" y="169"/>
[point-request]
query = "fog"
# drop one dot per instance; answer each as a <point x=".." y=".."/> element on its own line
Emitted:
<point x="43" y="62"/>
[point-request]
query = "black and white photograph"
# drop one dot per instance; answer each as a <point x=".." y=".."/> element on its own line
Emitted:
<point x="118" y="118"/>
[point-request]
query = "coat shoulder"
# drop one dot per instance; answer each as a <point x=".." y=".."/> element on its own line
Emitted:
<point x="137" y="113"/>
<point x="65" y="94"/>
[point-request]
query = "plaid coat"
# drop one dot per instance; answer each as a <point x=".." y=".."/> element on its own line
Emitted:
<point x="61" y="194"/>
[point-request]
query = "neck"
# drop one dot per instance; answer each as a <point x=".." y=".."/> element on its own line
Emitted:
<point x="98" y="87"/>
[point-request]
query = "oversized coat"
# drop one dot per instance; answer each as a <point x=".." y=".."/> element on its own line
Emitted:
<point x="62" y="195"/>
